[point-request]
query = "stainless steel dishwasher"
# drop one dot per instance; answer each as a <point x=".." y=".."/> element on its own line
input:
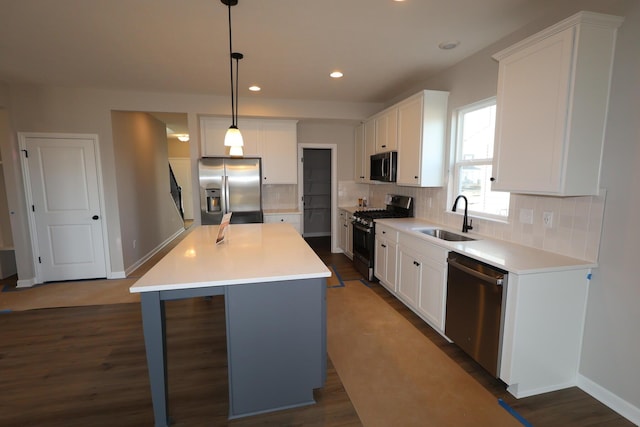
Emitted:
<point x="475" y="309"/>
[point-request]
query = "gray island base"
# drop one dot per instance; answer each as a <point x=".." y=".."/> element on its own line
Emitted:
<point x="276" y="329"/>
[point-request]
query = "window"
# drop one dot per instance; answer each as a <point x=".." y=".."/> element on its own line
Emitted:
<point x="475" y="126"/>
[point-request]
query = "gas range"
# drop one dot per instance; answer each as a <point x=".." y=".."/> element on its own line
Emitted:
<point x="396" y="207"/>
<point x="367" y="217"/>
<point x="364" y="230"/>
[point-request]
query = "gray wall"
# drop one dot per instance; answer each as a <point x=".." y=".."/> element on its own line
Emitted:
<point x="148" y="215"/>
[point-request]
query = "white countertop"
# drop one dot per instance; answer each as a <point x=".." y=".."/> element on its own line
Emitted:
<point x="508" y="256"/>
<point x="250" y="253"/>
<point x="281" y="211"/>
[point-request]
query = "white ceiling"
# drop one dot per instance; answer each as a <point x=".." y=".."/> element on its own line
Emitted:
<point x="290" y="46"/>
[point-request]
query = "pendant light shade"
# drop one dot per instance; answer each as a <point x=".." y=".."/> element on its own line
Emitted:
<point x="233" y="138"/>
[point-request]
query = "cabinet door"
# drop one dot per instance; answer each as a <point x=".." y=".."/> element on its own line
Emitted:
<point x="386" y="131"/>
<point x="410" y="142"/>
<point x="431" y="293"/>
<point x="342" y="231"/>
<point x="369" y="147"/>
<point x="349" y="237"/>
<point x="278" y="148"/>
<point x="409" y="276"/>
<point x="212" y="132"/>
<point x="533" y="90"/>
<point x="380" y="261"/>
<point x="359" y="155"/>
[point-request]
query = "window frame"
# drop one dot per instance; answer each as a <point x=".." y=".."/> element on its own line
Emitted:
<point x="457" y="163"/>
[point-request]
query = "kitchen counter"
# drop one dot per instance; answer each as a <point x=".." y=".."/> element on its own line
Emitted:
<point x="250" y="253"/>
<point x="281" y="211"/>
<point x="505" y="255"/>
<point x="274" y="288"/>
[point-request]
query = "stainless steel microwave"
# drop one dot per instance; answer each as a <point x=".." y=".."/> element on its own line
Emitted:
<point x="384" y="166"/>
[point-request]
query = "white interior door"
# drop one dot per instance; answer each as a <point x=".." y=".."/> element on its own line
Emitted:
<point x="61" y="177"/>
<point x="182" y="170"/>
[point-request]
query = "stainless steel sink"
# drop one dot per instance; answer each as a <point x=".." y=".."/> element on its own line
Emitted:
<point x="444" y="234"/>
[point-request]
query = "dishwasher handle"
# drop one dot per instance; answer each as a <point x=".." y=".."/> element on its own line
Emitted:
<point x="498" y="281"/>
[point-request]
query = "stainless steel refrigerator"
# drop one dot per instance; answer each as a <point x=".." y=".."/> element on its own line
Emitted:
<point x="230" y="185"/>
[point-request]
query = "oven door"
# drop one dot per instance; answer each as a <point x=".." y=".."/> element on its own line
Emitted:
<point x="363" y="246"/>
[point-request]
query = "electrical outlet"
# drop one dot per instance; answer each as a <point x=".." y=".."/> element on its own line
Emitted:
<point x="526" y="216"/>
<point x="134" y="244"/>
<point x="547" y="219"/>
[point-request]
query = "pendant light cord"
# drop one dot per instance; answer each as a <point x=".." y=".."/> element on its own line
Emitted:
<point x="233" y="109"/>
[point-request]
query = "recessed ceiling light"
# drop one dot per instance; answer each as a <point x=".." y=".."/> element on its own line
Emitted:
<point x="448" y="45"/>
<point x="336" y="74"/>
<point x="255" y="88"/>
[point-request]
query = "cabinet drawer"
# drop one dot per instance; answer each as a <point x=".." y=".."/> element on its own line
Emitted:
<point x="387" y="233"/>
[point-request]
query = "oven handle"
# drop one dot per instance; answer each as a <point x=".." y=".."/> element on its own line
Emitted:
<point x="361" y="227"/>
<point x="475" y="273"/>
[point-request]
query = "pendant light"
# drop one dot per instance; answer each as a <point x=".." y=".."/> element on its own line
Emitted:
<point x="233" y="138"/>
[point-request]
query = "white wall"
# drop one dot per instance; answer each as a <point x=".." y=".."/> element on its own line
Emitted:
<point x="76" y="110"/>
<point x="148" y="215"/>
<point x="611" y="346"/>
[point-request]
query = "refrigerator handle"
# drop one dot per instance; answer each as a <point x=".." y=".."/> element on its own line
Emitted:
<point x="225" y="194"/>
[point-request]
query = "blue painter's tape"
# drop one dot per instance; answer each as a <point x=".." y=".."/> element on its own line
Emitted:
<point x="5" y="311"/>
<point x="589" y="276"/>
<point x="513" y="412"/>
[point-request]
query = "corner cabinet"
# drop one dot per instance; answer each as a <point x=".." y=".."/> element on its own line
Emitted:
<point x="553" y="92"/>
<point x="422" y="121"/>
<point x="275" y="141"/>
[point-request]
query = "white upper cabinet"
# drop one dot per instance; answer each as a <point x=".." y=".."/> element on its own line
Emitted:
<point x="278" y="149"/>
<point x="359" y="156"/>
<point x="275" y="141"/>
<point x="422" y="121"/>
<point x="553" y="92"/>
<point x="365" y="145"/>
<point x="387" y="130"/>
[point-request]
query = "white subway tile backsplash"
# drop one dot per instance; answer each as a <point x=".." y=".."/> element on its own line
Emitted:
<point x="577" y="221"/>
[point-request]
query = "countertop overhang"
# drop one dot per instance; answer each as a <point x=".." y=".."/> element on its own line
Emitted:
<point x="508" y="256"/>
<point x="250" y="253"/>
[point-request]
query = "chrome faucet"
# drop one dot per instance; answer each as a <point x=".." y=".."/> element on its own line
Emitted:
<point x="465" y="226"/>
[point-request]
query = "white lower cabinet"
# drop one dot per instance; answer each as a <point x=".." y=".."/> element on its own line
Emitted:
<point x="345" y="233"/>
<point x="386" y="256"/>
<point x="289" y="218"/>
<point x="422" y="276"/>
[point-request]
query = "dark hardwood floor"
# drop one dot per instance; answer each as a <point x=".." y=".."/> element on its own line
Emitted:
<point x="569" y="407"/>
<point x="85" y="366"/>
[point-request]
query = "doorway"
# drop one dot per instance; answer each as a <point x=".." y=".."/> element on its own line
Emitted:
<point x="317" y="188"/>
<point x="63" y="188"/>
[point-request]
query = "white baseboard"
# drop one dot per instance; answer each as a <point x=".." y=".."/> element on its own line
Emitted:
<point x="621" y="406"/>
<point x="116" y="275"/>
<point x="26" y="283"/>
<point x="153" y="252"/>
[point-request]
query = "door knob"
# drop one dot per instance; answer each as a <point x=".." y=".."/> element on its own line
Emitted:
<point x="95" y="217"/>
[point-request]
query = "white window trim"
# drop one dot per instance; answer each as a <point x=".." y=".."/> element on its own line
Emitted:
<point x="455" y="165"/>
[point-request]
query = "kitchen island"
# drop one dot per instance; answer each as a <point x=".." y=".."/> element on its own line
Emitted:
<point x="274" y="287"/>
